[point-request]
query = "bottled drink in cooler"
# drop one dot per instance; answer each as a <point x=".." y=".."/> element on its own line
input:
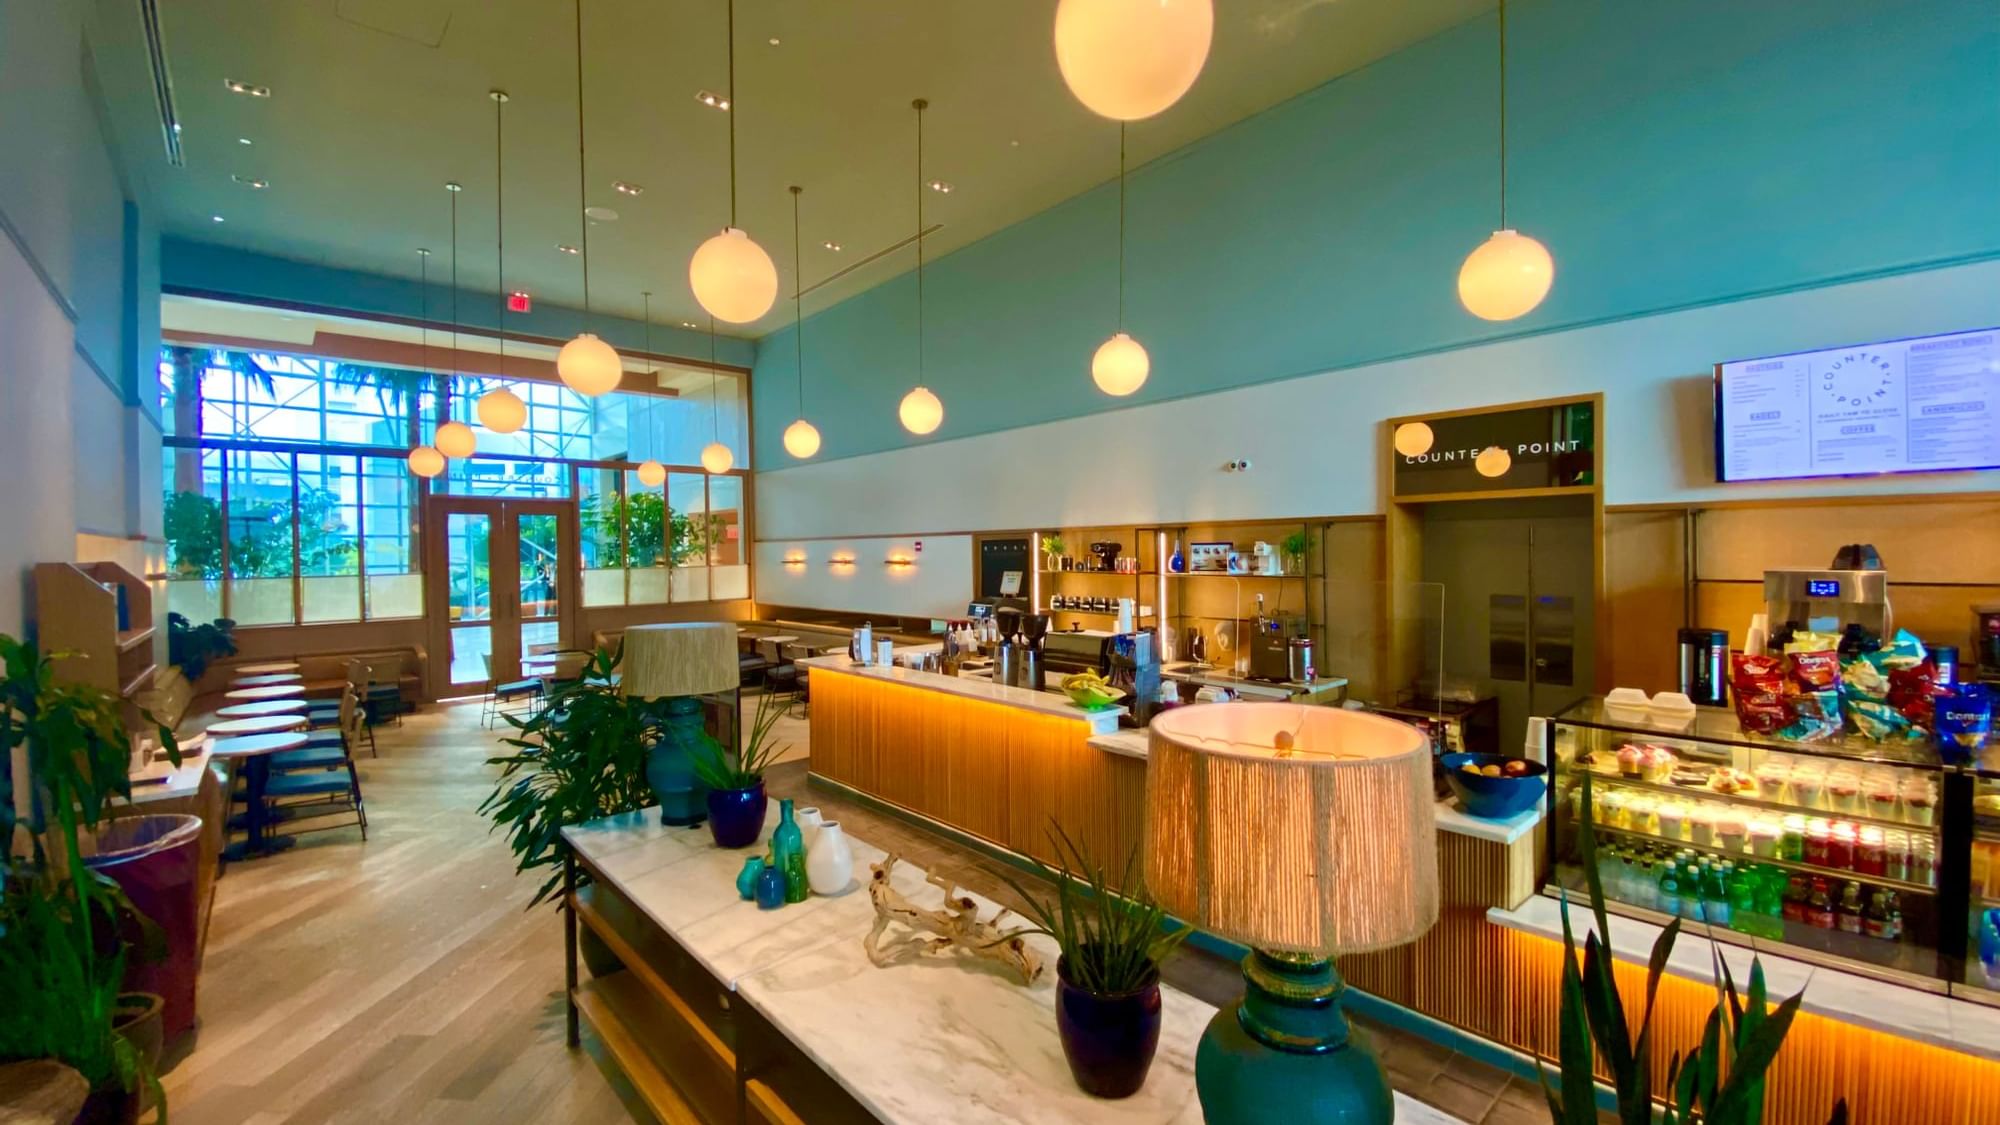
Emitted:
<point x="1819" y="905"/>
<point x="1848" y="913"/>
<point x="1743" y="916"/>
<point x="1667" y="892"/>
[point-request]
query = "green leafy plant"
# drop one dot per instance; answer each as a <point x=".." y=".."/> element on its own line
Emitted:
<point x="581" y="757"/>
<point x="1052" y="545"/>
<point x="1112" y="935"/>
<point x="61" y="959"/>
<point x="1293" y="546"/>
<point x="719" y="768"/>
<point x="192" y="648"/>
<point x="1719" y="1082"/>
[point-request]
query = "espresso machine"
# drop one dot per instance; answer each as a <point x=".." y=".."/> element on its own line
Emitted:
<point x="1034" y="627"/>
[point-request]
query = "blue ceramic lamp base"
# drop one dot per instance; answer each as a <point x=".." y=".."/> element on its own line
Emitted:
<point x="1284" y="1057"/>
<point x="669" y="768"/>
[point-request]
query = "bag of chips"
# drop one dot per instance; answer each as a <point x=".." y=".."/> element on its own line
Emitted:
<point x="1865" y="687"/>
<point x="1964" y="721"/>
<point x="1757" y="685"/>
<point x="1913" y="692"/>
<point x="1813" y="670"/>
<point x="1815" y="715"/>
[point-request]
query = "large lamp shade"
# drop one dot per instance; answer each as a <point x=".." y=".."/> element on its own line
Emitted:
<point x="1296" y="829"/>
<point x="686" y="658"/>
<point x="1131" y="59"/>
<point x="733" y="278"/>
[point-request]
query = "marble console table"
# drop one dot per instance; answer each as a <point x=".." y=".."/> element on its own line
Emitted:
<point x="725" y="1013"/>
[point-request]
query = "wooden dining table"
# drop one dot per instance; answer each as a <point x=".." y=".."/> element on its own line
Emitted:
<point x="270" y="691"/>
<point x="254" y="751"/>
<point x="255" y="724"/>
<point x="263" y="707"/>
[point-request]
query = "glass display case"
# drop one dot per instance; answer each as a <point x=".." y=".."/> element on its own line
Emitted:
<point x="1981" y="979"/>
<point x="1830" y="848"/>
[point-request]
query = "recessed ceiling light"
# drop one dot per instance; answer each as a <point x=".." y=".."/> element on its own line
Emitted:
<point x="626" y="187"/>
<point x="566" y="249"/>
<point x="215" y="218"/>
<point x="831" y="245"/>
<point x="453" y="185"/>
<point x="245" y="141"/>
<point x="774" y="40"/>
<point x="423" y="251"/>
<point x="689" y="324"/>
<point x="711" y="100"/>
<point x="1013" y="144"/>
<point x="601" y="214"/>
<point x="254" y="183"/>
<point x="236" y="87"/>
<point x="942" y="187"/>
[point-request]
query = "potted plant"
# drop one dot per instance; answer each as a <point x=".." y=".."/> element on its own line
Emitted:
<point x="1052" y="549"/>
<point x="1113" y="941"/>
<point x="1719" y="1082"/>
<point x="192" y="648"/>
<point x="582" y="756"/>
<point x="62" y="961"/>
<point x="735" y="781"/>
<point x="1292" y="550"/>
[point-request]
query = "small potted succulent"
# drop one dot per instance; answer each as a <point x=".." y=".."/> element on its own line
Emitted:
<point x="1292" y="552"/>
<point x="735" y="781"/>
<point x="1052" y="549"/>
<point x="1113" y="941"/>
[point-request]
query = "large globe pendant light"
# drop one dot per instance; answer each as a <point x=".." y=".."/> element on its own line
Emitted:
<point x="1131" y="59"/>
<point x="586" y="365"/>
<point x="921" y="412"/>
<point x="732" y="276"/>
<point x="455" y="439"/>
<point x="716" y="458"/>
<point x="801" y="437"/>
<point x="652" y="474"/>
<point x="1510" y="273"/>
<point x="502" y="411"/>
<point x="1121" y="364"/>
<point x="1414" y="439"/>
<point x="426" y="462"/>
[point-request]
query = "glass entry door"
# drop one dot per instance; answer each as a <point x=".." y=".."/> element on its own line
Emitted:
<point x="504" y="573"/>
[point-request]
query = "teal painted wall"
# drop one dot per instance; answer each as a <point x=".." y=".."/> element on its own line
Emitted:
<point x="1670" y="155"/>
<point x="221" y="271"/>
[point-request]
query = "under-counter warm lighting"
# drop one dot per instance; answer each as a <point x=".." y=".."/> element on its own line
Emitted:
<point x="626" y="187"/>
<point x="711" y="100"/>
<point x="1413" y="439"/>
<point x="236" y="87"/>
<point x="1493" y="461"/>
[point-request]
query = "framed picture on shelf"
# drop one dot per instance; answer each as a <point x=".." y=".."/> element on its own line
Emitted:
<point x="1209" y="558"/>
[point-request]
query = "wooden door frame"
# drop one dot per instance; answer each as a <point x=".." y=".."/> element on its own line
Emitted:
<point x="503" y="581"/>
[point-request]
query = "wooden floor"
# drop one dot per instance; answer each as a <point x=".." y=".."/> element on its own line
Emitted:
<point x="400" y="980"/>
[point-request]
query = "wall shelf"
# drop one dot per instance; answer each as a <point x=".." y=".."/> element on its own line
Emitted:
<point x="76" y="615"/>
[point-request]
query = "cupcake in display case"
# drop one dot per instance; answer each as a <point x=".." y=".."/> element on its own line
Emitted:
<point x="1660" y="763"/>
<point x="1631" y="760"/>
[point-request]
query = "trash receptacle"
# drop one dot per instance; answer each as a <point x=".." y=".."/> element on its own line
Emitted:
<point x="156" y="859"/>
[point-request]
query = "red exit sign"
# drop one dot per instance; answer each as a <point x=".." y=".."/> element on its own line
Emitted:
<point x="519" y="302"/>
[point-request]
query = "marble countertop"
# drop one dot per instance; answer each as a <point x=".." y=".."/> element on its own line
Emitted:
<point x="946" y="1041"/>
<point x="1909" y="1013"/>
<point x="1047" y="703"/>
<point x="1450" y="818"/>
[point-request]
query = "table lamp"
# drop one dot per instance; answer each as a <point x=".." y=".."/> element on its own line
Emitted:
<point x="676" y="663"/>
<point x="1304" y="833"/>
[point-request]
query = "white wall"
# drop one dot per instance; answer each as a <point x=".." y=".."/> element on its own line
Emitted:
<point x="37" y="499"/>
<point x="938" y="583"/>
<point x="1315" y="443"/>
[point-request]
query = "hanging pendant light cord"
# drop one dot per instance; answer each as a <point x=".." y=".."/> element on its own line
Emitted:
<point x="1503" y="114"/>
<point x="648" y="295"/>
<point x="1121" y="226"/>
<point x="582" y="193"/>
<point x="798" y="300"/>
<point x="454" y="281"/>
<point x="424" y="302"/>
<point x="920" y="105"/>
<point x="500" y="216"/>
<point x="732" y="113"/>
<point x="714" y="402"/>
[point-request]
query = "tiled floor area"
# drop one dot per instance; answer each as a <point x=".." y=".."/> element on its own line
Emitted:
<point x="400" y="979"/>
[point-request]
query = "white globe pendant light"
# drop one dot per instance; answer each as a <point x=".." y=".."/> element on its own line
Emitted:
<point x="733" y="278"/>
<point x="801" y="439"/>
<point x="1493" y="461"/>
<point x="730" y="274"/>
<point x="1509" y="274"/>
<point x="455" y="439"/>
<point x="1131" y="59"/>
<point x="1414" y="439"/>
<point x="589" y="366"/>
<point x="1120" y="365"/>
<point x="652" y="474"/>
<point x="502" y="411"/>
<point x="716" y="458"/>
<point x="426" y="462"/>
<point x="1506" y="277"/>
<point x="920" y="411"/>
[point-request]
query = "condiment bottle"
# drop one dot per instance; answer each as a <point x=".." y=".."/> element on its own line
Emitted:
<point x="1819" y="905"/>
<point x="1849" y="914"/>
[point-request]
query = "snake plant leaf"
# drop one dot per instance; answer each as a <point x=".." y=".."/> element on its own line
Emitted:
<point x="1746" y="1071"/>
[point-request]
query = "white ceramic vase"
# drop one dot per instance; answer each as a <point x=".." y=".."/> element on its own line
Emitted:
<point x="809" y="821"/>
<point x="829" y="861"/>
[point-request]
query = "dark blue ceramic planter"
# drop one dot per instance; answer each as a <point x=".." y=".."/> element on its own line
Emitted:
<point x="736" y="816"/>
<point x="1108" y="1040"/>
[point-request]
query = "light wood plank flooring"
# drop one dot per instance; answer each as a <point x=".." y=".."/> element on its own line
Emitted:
<point x="401" y="980"/>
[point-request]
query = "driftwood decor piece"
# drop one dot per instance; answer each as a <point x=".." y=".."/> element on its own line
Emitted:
<point x="942" y="933"/>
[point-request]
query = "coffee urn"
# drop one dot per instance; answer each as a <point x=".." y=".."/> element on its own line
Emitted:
<point x="1704" y="660"/>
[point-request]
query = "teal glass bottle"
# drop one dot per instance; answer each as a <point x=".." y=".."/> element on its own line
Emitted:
<point x="770" y="884"/>
<point x="789" y="845"/>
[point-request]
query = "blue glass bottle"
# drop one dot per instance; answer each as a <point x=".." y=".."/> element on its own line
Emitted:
<point x="770" y="885"/>
<point x="789" y="845"/>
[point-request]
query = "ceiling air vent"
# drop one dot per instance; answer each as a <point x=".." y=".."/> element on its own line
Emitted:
<point x="163" y="82"/>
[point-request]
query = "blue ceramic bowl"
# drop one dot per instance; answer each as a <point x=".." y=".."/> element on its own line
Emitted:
<point x="1493" y="798"/>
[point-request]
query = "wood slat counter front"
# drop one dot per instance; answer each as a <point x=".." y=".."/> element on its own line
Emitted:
<point x="997" y="763"/>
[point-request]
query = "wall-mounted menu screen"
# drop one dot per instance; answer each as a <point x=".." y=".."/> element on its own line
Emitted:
<point x="1903" y="406"/>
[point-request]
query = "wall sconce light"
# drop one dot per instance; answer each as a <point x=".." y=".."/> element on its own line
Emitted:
<point x="842" y="560"/>
<point x="795" y="558"/>
<point x="900" y="561"/>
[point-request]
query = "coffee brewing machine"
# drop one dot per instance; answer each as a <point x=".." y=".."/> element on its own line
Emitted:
<point x="1280" y="650"/>
<point x="1850" y="597"/>
<point x="1017" y="658"/>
